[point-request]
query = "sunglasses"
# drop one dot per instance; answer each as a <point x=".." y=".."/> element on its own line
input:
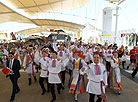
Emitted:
<point x="10" y="56"/>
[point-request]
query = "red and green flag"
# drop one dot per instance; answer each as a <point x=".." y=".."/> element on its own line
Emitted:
<point x="52" y="30"/>
<point x="122" y="48"/>
<point x="81" y="56"/>
<point x="58" y="31"/>
<point x="46" y="42"/>
<point x="6" y="71"/>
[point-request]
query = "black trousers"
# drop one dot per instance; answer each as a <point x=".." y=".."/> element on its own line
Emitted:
<point x="70" y="76"/>
<point x="15" y="86"/>
<point x="63" y="76"/>
<point x="123" y="64"/>
<point x="135" y="72"/>
<point x="41" y="82"/>
<point x="52" y="88"/>
<point x="108" y="66"/>
<point x="37" y="67"/>
<point x="92" y="96"/>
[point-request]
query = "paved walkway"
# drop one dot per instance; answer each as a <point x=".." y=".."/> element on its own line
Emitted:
<point x="33" y="93"/>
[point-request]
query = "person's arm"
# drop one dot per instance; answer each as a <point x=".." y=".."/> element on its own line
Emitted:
<point x="136" y="62"/>
<point x="55" y="46"/>
<point x="103" y="94"/>
<point x="84" y="70"/>
<point x="24" y="63"/>
<point x="91" y="57"/>
<point x="83" y="63"/>
<point x="113" y="64"/>
<point x="18" y="65"/>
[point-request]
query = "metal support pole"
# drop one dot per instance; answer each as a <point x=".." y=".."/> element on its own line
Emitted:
<point x="117" y="8"/>
<point x="135" y="40"/>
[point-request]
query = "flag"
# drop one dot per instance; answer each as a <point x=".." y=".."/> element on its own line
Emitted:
<point x="78" y="35"/>
<point x="81" y="56"/>
<point x="52" y="30"/>
<point x="6" y="71"/>
<point x="58" y="31"/>
<point x="46" y="42"/>
<point x="122" y="48"/>
<point x="80" y="39"/>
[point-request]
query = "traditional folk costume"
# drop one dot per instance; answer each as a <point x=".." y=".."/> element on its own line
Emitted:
<point x="97" y="75"/>
<point x="5" y="52"/>
<point x="37" y="57"/>
<point x="114" y="76"/>
<point x="29" y="64"/>
<point x="54" y="75"/>
<point x="88" y="56"/>
<point x="77" y="85"/>
<point x="16" y="54"/>
<point x="62" y="56"/>
<point x="70" y="67"/>
<point x="92" y="50"/>
<point x="108" y="59"/>
<point x="124" y="58"/>
<point x="44" y="61"/>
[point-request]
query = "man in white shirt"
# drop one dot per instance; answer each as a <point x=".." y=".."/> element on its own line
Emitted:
<point x="54" y="74"/>
<point x="44" y="61"/>
<point x="97" y="77"/>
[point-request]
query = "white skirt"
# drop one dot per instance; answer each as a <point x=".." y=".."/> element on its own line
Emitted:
<point x="94" y="87"/>
<point x="54" y="78"/>
<point x="44" y="74"/>
<point x="31" y="69"/>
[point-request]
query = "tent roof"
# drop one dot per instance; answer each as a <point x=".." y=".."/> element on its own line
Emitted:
<point x="33" y="7"/>
<point x="6" y="15"/>
<point x="47" y="24"/>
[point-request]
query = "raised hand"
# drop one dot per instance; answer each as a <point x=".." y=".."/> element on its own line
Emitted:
<point x="82" y="69"/>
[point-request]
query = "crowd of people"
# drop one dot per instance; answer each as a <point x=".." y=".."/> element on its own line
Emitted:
<point x="101" y="64"/>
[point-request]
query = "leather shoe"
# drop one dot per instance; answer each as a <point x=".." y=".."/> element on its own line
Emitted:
<point x="17" y="91"/>
<point x="11" y="100"/>
<point x="53" y="100"/>
<point x="43" y="92"/>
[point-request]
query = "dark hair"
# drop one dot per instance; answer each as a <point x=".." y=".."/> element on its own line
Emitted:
<point x="11" y="53"/>
<point x="54" y="52"/>
<point x="96" y="53"/>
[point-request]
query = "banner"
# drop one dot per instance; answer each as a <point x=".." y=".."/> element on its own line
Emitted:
<point x="78" y="35"/>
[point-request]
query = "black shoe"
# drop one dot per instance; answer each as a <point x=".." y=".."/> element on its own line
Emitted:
<point x="48" y="91"/>
<point x="17" y="91"/>
<point x="63" y="88"/>
<point x="29" y="81"/>
<point x="43" y="92"/>
<point x="76" y="100"/>
<point x="132" y="76"/>
<point x="119" y="93"/>
<point x="35" y="79"/>
<point x="53" y="100"/>
<point x="11" y="100"/>
<point x="58" y="91"/>
<point x="127" y="67"/>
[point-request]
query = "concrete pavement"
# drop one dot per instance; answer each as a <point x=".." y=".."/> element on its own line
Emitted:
<point x="33" y="93"/>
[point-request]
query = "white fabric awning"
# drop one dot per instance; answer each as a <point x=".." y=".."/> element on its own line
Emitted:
<point x="17" y="11"/>
<point x="8" y="15"/>
<point x="33" y="7"/>
<point x="46" y="25"/>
